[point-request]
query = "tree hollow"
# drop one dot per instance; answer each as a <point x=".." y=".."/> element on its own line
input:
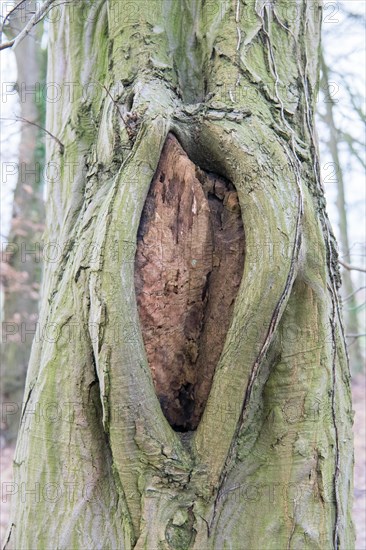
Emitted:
<point x="188" y="268"/>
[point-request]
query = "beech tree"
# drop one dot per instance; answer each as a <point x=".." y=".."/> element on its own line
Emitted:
<point x="189" y="384"/>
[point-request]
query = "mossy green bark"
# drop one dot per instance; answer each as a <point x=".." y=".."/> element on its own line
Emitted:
<point x="278" y="418"/>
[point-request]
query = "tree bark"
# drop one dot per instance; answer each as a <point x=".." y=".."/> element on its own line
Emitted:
<point x="270" y="463"/>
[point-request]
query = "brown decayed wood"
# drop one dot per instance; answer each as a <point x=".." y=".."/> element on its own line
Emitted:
<point x="188" y="268"/>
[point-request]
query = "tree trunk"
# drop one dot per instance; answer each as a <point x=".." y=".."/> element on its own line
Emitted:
<point x="260" y="455"/>
<point x="23" y="256"/>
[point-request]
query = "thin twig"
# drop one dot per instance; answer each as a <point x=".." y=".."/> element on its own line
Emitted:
<point x="9" y="14"/>
<point x="114" y="101"/>
<point x="22" y="119"/>
<point x="353" y="293"/>
<point x="116" y="104"/>
<point x="29" y="26"/>
<point x="352" y="267"/>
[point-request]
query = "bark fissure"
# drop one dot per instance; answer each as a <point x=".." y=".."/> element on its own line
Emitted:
<point x="336" y="470"/>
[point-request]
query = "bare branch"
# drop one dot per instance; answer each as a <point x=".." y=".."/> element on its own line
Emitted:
<point x="353" y="293"/>
<point x="21" y="119"/>
<point x="115" y="103"/>
<point x="352" y="267"/>
<point x="29" y="26"/>
<point x="13" y="10"/>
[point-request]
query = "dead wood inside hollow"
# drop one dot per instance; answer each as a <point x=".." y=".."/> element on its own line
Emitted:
<point x="188" y="267"/>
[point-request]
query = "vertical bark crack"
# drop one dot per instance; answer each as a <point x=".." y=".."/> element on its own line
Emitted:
<point x="188" y="268"/>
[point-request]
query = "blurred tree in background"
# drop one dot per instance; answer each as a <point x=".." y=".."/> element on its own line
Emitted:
<point x="342" y="119"/>
<point x="21" y="266"/>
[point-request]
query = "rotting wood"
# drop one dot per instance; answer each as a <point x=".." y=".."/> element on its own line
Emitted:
<point x="188" y="268"/>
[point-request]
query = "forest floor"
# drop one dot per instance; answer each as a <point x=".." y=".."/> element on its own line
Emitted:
<point x="359" y="428"/>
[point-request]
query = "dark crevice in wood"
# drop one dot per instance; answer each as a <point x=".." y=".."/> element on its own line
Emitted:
<point x="188" y="268"/>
